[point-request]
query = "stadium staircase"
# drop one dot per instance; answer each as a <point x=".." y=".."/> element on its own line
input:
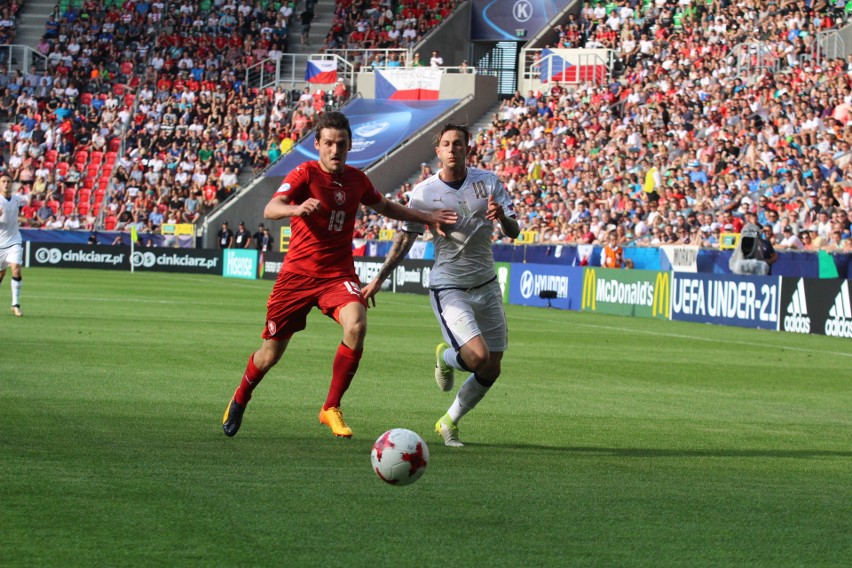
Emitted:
<point x="29" y="27"/>
<point x="320" y="26"/>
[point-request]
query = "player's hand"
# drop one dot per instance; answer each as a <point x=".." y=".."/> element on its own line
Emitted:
<point x="494" y="211"/>
<point x="369" y="292"/>
<point x="443" y="217"/>
<point x="308" y="207"/>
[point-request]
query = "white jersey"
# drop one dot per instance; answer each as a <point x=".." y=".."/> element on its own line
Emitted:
<point x="9" y="211"/>
<point x="463" y="259"/>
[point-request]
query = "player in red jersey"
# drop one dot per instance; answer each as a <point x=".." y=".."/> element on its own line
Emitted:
<point x="321" y="198"/>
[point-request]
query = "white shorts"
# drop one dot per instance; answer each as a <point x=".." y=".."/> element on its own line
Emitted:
<point x="464" y="314"/>
<point x="11" y="255"/>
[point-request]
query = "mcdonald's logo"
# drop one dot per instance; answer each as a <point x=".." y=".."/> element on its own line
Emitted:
<point x="590" y="290"/>
<point x="662" y="295"/>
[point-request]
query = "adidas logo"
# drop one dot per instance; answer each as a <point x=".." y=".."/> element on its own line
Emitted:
<point x="839" y="322"/>
<point x="797" y="319"/>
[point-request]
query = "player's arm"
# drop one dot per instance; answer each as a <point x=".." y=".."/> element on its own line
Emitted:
<point x="400" y="212"/>
<point x="495" y="212"/>
<point x="280" y="207"/>
<point x="402" y="243"/>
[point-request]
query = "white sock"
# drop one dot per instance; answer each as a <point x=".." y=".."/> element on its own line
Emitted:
<point x="469" y="395"/>
<point x="451" y="358"/>
<point x="16" y="292"/>
<point x="450" y="355"/>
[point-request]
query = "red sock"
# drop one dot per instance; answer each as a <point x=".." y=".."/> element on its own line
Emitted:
<point x="345" y="364"/>
<point x="251" y="378"/>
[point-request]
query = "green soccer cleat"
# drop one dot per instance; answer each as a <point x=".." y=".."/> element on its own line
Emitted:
<point x="444" y="374"/>
<point x="449" y="431"/>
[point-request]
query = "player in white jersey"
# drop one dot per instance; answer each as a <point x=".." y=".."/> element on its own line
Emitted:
<point x="465" y="294"/>
<point x="11" y="252"/>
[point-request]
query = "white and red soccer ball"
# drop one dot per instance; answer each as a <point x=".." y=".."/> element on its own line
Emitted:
<point x="400" y="457"/>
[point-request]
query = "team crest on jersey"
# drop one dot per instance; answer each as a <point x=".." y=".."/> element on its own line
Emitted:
<point x="285" y="187"/>
<point x="339" y="197"/>
<point x="270" y="325"/>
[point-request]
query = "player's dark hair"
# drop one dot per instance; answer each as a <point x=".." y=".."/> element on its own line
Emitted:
<point x="336" y="120"/>
<point x="449" y="127"/>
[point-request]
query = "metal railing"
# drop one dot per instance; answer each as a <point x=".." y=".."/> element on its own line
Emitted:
<point x="289" y="70"/>
<point x="592" y="68"/>
<point x="755" y="57"/>
<point x="16" y="57"/>
<point x="828" y="45"/>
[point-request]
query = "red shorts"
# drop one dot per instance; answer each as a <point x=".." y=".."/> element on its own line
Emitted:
<point x="294" y="295"/>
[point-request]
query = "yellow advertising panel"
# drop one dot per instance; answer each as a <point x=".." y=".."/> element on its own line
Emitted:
<point x="285" y="239"/>
<point x="728" y="240"/>
<point x="177" y="229"/>
<point x="526" y="238"/>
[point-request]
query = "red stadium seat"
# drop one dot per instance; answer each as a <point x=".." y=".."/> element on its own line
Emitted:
<point x="62" y="168"/>
<point x="115" y="145"/>
<point x="84" y="195"/>
<point x="86" y="99"/>
<point x="110" y="157"/>
<point x="83" y="208"/>
<point x="110" y="222"/>
<point x="88" y="182"/>
<point x="69" y="194"/>
<point x="67" y="208"/>
<point x="96" y="157"/>
<point x="93" y="170"/>
<point x="81" y="157"/>
<point x="51" y="155"/>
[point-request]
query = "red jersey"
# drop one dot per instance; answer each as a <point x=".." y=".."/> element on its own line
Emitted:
<point x="321" y="244"/>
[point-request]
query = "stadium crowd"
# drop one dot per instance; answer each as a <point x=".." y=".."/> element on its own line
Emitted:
<point x="144" y="103"/>
<point x="681" y="148"/>
<point x="690" y="139"/>
<point x="149" y="107"/>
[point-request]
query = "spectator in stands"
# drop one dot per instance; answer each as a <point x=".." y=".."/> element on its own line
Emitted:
<point x="228" y="183"/>
<point x="790" y="241"/>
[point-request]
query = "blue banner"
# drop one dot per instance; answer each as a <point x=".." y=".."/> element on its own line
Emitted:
<point x="513" y="20"/>
<point x="378" y="127"/>
<point x="744" y="301"/>
<point x="528" y="281"/>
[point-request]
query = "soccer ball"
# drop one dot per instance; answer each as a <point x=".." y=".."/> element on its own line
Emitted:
<point x="400" y="457"/>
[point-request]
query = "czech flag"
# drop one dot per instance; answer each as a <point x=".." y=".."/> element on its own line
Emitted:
<point x="322" y="71"/>
<point x="556" y="68"/>
<point x="417" y="84"/>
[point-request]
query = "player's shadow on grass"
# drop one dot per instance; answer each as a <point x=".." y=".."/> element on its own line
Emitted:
<point x="673" y="453"/>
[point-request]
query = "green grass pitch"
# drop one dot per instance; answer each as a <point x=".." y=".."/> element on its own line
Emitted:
<point x="608" y="441"/>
